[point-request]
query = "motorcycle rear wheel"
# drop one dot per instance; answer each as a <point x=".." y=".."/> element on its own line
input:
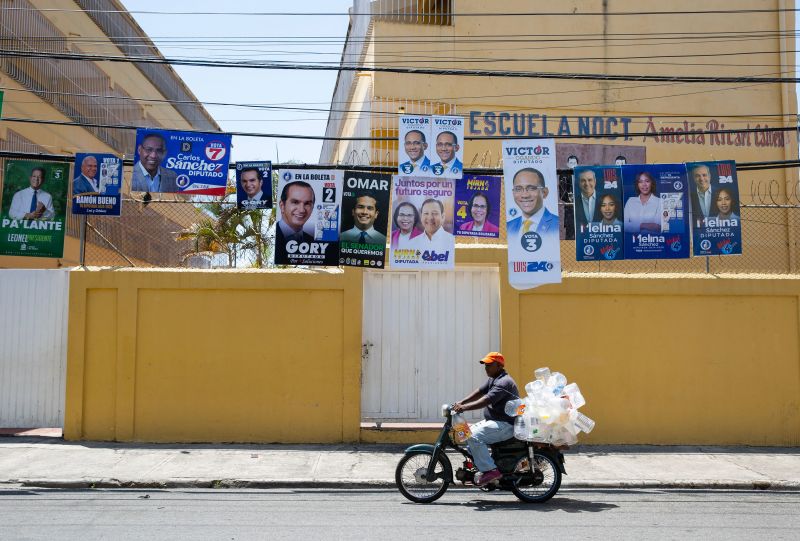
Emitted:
<point x="410" y="477"/>
<point x="539" y="485"/>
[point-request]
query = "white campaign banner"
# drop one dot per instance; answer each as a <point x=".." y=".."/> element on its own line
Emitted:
<point x="531" y="186"/>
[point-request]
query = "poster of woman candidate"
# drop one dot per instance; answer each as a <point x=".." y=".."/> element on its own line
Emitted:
<point x="96" y="182"/>
<point x="254" y="185"/>
<point x="180" y="162"/>
<point x="447" y="138"/>
<point x="33" y="208"/>
<point x="365" y="219"/>
<point x="598" y="213"/>
<point x="415" y="139"/>
<point x="716" y="215"/>
<point x="656" y="215"/>
<point x="532" y="226"/>
<point x="422" y="224"/>
<point x="478" y="206"/>
<point x="307" y="230"/>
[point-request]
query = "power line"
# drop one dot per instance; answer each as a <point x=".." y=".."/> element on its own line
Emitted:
<point x="409" y="71"/>
<point x="285" y="108"/>
<point x="740" y="166"/>
<point x="469" y="138"/>
<point x="402" y="16"/>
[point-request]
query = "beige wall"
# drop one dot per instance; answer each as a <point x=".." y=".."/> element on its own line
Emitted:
<point x="275" y="356"/>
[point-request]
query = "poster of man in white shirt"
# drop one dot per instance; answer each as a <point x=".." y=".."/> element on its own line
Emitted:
<point x="432" y="202"/>
<point x="415" y="136"/>
<point x="532" y="225"/>
<point x="448" y="137"/>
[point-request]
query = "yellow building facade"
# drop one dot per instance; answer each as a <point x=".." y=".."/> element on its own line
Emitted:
<point x="92" y="92"/>
<point x="663" y="354"/>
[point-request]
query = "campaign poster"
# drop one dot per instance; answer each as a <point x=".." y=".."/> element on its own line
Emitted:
<point x="307" y="230"/>
<point x="478" y="206"/>
<point x="413" y="147"/>
<point x="422" y="224"/>
<point x="253" y="185"/>
<point x="598" y="213"/>
<point x="532" y="226"/>
<point x="365" y="219"/>
<point x="716" y="214"/>
<point x="656" y="213"/>
<point x="180" y="162"/>
<point x="33" y="208"/>
<point x="96" y="183"/>
<point x="447" y="138"/>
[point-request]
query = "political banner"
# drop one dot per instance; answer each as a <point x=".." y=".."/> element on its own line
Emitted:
<point x="656" y="215"/>
<point x="447" y="138"/>
<point x="415" y="139"/>
<point x="253" y="185"/>
<point x="598" y="213"/>
<point x="716" y="215"/>
<point x="181" y="162"/>
<point x="33" y="208"/>
<point x="532" y="226"/>
<point x="422" y="224"/>
<point x="96" y="183"/>
<point x="478" y="206"/>
<point x="307" y="231"/>
<point x="365" y="219"/>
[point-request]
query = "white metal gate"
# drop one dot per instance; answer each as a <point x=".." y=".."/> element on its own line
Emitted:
<point x="423" y="335"/>
<point x="33" y="347"/>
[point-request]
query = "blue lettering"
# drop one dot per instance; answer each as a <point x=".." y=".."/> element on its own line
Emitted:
<point x="532" y="124"/>
<point x="563" y="128"/>
<point x="519" y="124"/>
<point x="611" y="120"/>
<point x="473" y="121"/>
<point x="583" y="125"/>
<point x="501" y="120"/>
<point x="490" y="128"/>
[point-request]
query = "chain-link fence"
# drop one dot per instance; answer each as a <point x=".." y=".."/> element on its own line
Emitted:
<point x="179" y="233"/>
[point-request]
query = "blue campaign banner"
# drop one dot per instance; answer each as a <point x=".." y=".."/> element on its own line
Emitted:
<point x="478" y="206"/>
<point x="254" y="185"/>
<point x="181" y="162"/>
<point x="656" y="212"/>
<point x="598" y="213"/>
<point x="716" y="214"/>
<point x="96" y="184"/>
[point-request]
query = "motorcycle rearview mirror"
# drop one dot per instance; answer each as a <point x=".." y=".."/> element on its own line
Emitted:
<point x="445" y="409"/>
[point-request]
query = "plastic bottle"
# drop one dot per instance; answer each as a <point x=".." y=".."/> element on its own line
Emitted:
<point x="574" y="394"/>
<point x="522" y="428"/>
<point x="583" y="422"/>
<point x="557" y="381"/>
<point x="461" y="431"/>
<point x="542" y="374"/>
<point x="515" y="407"/>
<point x="534" y="387"/>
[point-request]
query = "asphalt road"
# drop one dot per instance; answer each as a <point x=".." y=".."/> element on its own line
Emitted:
<point x="384" y="514"/>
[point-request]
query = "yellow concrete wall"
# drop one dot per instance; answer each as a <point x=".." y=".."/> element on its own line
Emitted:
<point x="193" y="356"/>
<point x="663" y="359"/>
<point x="275" y="356"/>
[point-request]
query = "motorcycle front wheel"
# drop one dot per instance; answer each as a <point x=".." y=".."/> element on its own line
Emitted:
<point x="410" y="477"/>
<point x="539" y="483"/>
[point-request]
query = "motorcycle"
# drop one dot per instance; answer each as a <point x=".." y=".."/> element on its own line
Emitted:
<point x="532" y="471"/>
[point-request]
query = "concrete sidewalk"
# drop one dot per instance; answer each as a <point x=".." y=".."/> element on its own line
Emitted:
<point x="52" y="462"/>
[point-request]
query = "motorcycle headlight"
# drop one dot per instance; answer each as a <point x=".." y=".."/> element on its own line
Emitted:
<point x="445" y="409"/>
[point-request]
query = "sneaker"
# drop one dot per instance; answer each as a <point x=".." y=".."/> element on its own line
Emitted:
<point x="488" y="477"/>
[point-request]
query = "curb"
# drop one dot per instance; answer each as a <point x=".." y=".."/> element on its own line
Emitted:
<point x="763" y="485"/>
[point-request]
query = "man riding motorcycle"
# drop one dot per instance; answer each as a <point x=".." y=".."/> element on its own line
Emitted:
<point x="496" y="425"/>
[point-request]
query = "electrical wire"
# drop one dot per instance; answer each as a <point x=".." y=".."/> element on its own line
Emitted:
<point x="273" y="65"/>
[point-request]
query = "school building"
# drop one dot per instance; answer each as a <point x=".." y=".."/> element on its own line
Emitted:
<point x="699" y="351"/>
<point x="94" y="94"/>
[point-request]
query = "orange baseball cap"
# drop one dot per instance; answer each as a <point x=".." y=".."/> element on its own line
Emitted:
<point x="494" y="357"/>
